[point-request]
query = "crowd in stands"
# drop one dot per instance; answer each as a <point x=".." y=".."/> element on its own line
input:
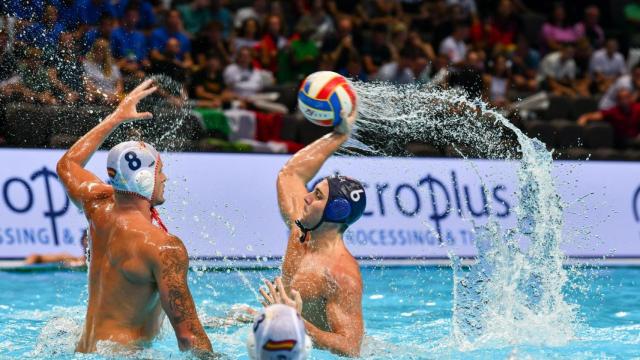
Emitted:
<point x="231" y="55"/>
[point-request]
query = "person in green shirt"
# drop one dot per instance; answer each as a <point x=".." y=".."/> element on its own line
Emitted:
<point x="195" y="15"/>
<point x="304" y="52"/>
<point x="632" y="16"/>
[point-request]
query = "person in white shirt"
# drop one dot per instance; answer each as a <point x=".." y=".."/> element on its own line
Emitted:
<point x="257" y="11"/>
<point x="629" y="81"/>
<point x="454" y="46"/>
<point x="606" y="65"/>
<point x="558" y="73"/>
<point x="242" y="78"/>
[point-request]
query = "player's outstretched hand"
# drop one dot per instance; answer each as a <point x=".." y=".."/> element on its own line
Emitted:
<point x="278" y="295"/>
<point x="347" y="122"/>
<point x="127" y="111"/>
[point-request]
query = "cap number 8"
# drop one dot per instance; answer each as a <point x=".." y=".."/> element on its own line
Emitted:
<point x="132" y="160"/>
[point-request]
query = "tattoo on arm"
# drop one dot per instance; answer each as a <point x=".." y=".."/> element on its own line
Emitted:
<point x="175" y="265"/>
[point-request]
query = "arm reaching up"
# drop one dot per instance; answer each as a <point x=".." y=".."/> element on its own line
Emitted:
<point x="304" y="165"/>
<point x="81" y="185"/>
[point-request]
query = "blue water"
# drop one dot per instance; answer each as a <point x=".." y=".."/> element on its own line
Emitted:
<point x="407" y="315"/>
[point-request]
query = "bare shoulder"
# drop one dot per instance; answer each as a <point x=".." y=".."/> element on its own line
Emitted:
<point x="345" y="277"/>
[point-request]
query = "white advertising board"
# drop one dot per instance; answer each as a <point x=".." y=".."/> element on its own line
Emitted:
<point x="224" y="205"/>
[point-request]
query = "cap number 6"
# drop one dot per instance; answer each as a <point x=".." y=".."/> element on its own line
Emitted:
<point x="355" y="195"/>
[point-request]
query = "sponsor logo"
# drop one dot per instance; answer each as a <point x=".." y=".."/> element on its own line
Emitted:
<point x="23" y="197"/>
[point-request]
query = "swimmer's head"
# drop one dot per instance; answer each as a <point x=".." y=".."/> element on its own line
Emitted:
<point x="135" y="168"/>
<point x="278" y="333"/>
<point x="336" y="199"/>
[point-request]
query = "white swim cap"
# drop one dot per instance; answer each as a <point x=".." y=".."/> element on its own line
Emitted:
<point x="132" y="167"/>
<point x="278" y="334"/>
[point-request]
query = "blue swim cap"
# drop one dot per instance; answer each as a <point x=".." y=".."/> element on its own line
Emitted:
<point x="346" y="201"/>
<point x="132" y="167"/>
<point x="345" y="204"/>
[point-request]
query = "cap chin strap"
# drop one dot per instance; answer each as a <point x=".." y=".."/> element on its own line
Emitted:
<point x="156" y="216"/>
<point x="306" y="230"/>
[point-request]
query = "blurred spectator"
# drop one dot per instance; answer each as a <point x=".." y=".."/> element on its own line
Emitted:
<point x="45" y="34"/>
<point x="503" y="28"/>
<point x="590" y="28"/>
<point x="384" y="12"/>
<point x="404" y="71"/>
<point x="66" y="259"/>
<point x="340" y="45"/>
<point x="454" y="46"/>
<point x="104" y="31"/>
<point x="248" y="36"/>
<point x="271" y="43"/>
<point x="420" y="46"/>
<point x="352" y="9"/>
<point x="467" y="76"/>
<point x="257" y="11"/>
<point x="582" y="57"/>
<point x="172" y="29"/>
<point x="304" y="52"/>
<point x="66" y="72"/>
<point x="210" y="42"/>
<point x="103" y="79"/>
<point x="208" y="83"/>
<point x="557" y="31"/>
<point x="558" y="72"/>
<point x="195" y="15"/>
<point x="8" y="65"/>
<point x="67" y="14"/>
<point x="30" y="10"/>
<point x="630" y="81"/>
<point x="146" y="16"/>
<point x="222" y="15"/>
<point x="355" y="69"/>
<point x="606" y="65"/>
<point x="129" y="46"/>
<point x="632" y="17"/>
<point x="624" y="117"/>
<point x="468" y="8"/>
<point x="399" y="37"/>
<point x="243" y="78"/>
<point x="91" y="11"/>
<point x="377" y="51"/>
<point x="497" y="81"/>
<point x="33" y="84"/>
<point x="444" y="19"/>
<point x="320" y="20"/>
<point x="524" y="66"/>
<point x="171" y="63"/>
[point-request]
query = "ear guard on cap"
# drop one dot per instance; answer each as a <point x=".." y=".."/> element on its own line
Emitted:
<point x="337" y="210"/>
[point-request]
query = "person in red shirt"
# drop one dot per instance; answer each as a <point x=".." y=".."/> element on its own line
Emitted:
<point x="624" y="117"/>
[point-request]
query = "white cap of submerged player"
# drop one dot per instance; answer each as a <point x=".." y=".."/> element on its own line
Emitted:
<point x="278" y="334"/>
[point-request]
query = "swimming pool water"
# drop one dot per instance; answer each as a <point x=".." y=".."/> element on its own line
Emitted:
<point x="407" y="315"/>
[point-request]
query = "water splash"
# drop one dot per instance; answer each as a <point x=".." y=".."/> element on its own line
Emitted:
<point x="514" y="294"/>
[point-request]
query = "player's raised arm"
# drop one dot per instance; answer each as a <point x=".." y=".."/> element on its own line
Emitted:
<point x="170" y="269"/>
<point x="304" y="165"/>
<point x="82" y="185"/>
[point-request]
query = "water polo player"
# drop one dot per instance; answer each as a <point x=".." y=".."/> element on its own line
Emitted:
<point x="137" y="269"/>
<point x="318" y="269"/>
<point x="278" y="334"/>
